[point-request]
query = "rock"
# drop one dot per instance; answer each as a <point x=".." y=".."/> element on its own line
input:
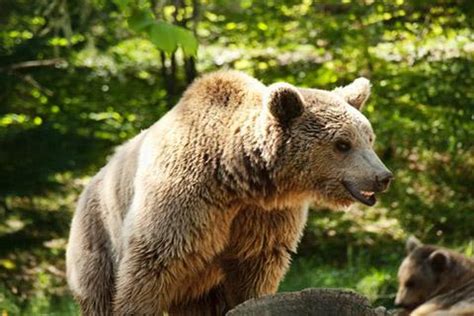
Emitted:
<point x="324" y="302"/>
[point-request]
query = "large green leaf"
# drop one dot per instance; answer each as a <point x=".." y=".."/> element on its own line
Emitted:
<point x="163" y="36"/>
<point x="167" y="37"/>
<point x="141" y="20"/>
<point x="187" y="41"/>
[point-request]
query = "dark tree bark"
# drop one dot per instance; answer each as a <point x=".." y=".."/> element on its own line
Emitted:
<point x="190" y="68"/>
<point x="169" y="64"/>
<point x="189" y="62"/>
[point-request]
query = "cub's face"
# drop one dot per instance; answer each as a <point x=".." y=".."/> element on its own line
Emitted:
<point x="328" y="150"/>
<point x="420" y="274"/>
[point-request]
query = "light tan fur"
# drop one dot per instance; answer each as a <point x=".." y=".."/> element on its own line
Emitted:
<point x="435" y="281"/>
<point x="202" y="210"/>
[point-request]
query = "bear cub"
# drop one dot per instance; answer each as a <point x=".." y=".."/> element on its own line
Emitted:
<point x="435" y="281"/>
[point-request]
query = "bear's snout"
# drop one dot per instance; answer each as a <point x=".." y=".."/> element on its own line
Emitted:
<point x="383" y="180"/>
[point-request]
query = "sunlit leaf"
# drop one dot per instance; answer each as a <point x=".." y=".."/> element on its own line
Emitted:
<point x="7" y="264"/>
<point x="187" y="41"/>
<point x="163" y="36"/>
<point x="262" y="26"/>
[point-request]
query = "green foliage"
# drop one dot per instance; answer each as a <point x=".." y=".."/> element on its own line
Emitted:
<point x="141" y="20"/>
<point x="377" y="283"/>
<point x="165" y="36"/>
<point x="78" y="78"/>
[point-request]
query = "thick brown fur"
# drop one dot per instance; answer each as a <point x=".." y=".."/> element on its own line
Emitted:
<point x="203" y="210"/>
<point x="435" y="281"/>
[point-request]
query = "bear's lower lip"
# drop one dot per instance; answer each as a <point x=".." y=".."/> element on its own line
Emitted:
<point x="409" y="308"/>
<point x="361" y="196"/>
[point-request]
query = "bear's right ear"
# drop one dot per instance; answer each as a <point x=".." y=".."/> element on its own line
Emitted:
<point x="440" y="260"/>
<point x="284" y="102"/>
<point x="412" y="243"/>
<point x="355" y="93"/>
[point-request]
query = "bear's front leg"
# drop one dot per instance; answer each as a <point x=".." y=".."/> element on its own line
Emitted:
<point x="254" y="276"/>
<point x="258" y="256"/>
<point x="147" y="285"/>
<point x="150" y="280"/>
<point x="168" y="243"/>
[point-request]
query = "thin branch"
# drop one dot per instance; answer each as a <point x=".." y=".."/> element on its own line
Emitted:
<point x="30" y="80"/>
<point x="33" y="64"/>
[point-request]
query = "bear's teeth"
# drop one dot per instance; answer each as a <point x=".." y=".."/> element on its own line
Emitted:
<point x="366" y="193"/>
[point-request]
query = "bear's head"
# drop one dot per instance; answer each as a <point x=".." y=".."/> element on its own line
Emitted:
<point x="325" y="144"/>
<point x="423" y="273"/>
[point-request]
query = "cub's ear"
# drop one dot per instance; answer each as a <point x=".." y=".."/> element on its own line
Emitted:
<point x="284" y="102"/>
<point x="412" y="243"/>
<point x="355" y="93"/>
<point x="440" y="260"/>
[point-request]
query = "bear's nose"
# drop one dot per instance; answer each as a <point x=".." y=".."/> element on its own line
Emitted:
<point x="383" y="180"/>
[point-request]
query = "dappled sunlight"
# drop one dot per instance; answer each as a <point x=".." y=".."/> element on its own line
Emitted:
<point x="79" y="79"/>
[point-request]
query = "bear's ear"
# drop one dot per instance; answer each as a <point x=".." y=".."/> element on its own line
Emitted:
<point x="284" y="102"/>
<point x="440" y="260"/>
<point x="412" y="243"/>
<point x="355" y="93"/>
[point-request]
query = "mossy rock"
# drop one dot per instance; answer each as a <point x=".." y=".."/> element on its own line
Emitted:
<point x="324" y="302"/>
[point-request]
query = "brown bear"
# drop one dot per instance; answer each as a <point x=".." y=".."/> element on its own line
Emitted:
<point x="202" y="210"/>
<point x="435" y="281"/>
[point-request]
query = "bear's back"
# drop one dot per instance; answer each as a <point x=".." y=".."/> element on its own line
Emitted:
<point x="180" y="141"/>
<point x="225" y="89"/>
<point x="459" y="301"/>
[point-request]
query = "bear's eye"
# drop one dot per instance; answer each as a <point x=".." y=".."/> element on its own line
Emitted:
<point x="410" y="284"/>
<point x="343" y="146"/>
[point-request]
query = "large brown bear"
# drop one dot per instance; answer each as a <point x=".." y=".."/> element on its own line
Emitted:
<point x="202" y="210"/>
<point x="435" y="281"/>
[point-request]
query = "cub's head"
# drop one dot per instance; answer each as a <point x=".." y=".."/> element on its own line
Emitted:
<point x="326" y="143"/>
<point x="422" y="274"/>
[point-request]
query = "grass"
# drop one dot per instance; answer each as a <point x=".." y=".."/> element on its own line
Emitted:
<point x="358" y="250"/>
<point x="377" y="283"/>
<point x="376" y="279"/>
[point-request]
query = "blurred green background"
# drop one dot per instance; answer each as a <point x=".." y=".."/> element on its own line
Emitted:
<point x="80" y="77"/>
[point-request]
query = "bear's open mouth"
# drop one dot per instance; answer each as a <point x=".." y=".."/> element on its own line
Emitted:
<point x="365" y="197"/>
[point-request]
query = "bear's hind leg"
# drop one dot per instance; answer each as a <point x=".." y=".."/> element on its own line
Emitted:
<point x="97" y="293"/>
<point x="89" y="263"/>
